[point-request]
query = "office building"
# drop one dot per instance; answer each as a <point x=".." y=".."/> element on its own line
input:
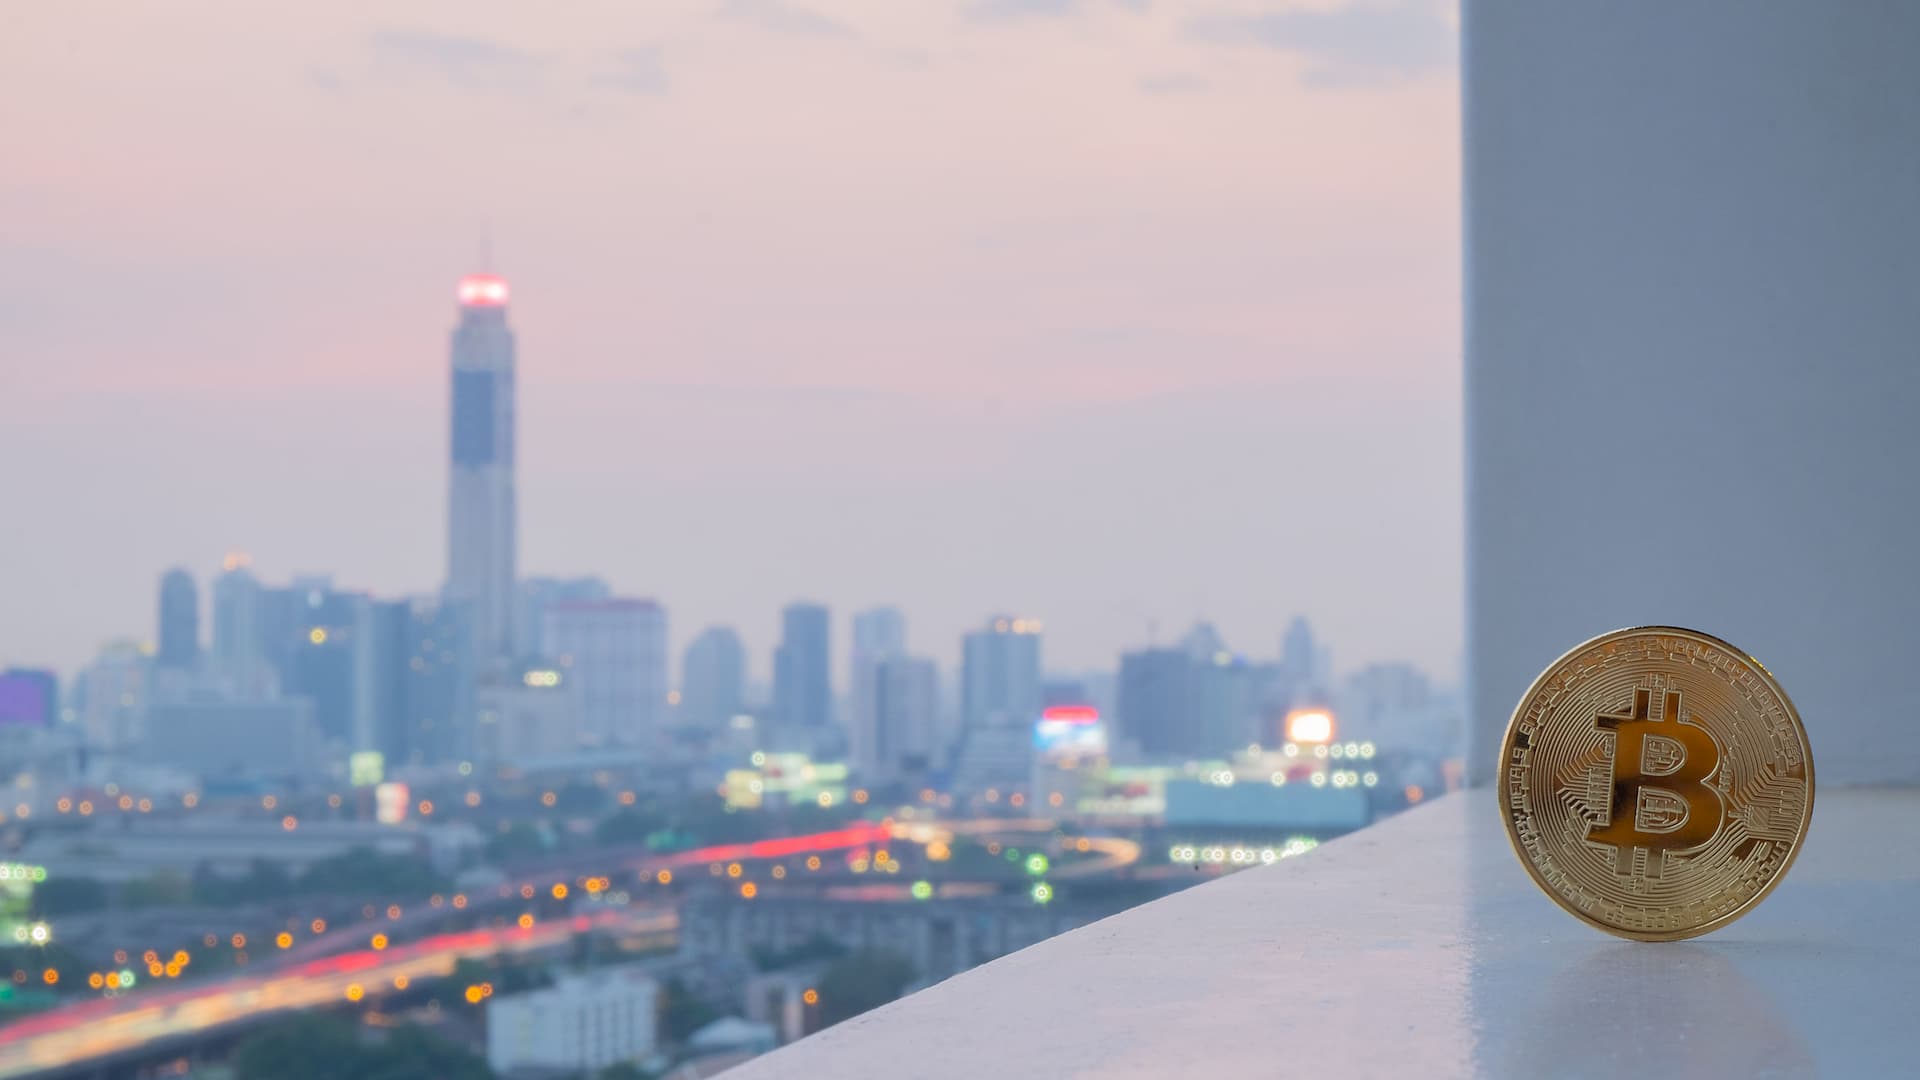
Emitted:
<point x="113" y="694"/>
<point x="524" y="715"/>
<point x="323" y="657"/>
<point x="536" y="595"/>
<point x="215" y="739"/>
<point x="1307" y="665"/>
<point x="179" y="622"/>
<point x="614" y="655"/>
<point x="878" y="635"/>
<point x="239" y="653"/>
<point x="481" y="523"/>
<point x="713" y="679"/>
<point x="802" y="692"/>
<point x="1154" y="707"/>
<point x="1000" y="674"/>
<point x="902" y="740"/>
<point x="433" y="719"/>
<point x="583" y="1022"/>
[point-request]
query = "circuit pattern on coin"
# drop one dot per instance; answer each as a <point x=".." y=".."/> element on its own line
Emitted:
<point x="1656" y="782"/>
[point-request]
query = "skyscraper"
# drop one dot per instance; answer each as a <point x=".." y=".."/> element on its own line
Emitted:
<point x="802" y="692"/>
<point x="713" y="678"/>
<point x="613" y="655"/>
<point x="1306" y="664"/>
<point x="1000" y="674"/>
<point x="536" y="595"/>
<point x="236" y="614"/>
<point x="179" y="620"/>
<point x="903" y="738"/>
<point x="1156" y="701"/>
<point x="878" y="635"/>
<point x="480" y="504"/>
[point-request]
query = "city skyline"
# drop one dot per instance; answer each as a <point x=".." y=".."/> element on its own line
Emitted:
<point x="1141" y="368"/>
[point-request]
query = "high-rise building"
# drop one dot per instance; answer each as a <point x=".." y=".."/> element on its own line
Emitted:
<point x="239" y="652"/>
<point x="1155" y="701"/>
<point x="179" y="621"/>
<point x="802" y="691"/>
<point x="536" y="594"/>
<point x="613" y="653"/>
<point x="1000" y="674"/>
<point x="113" y="694"/>
<point x="327" y="657"/>
<point x="1306" y="663"/>
<point x="713" y="679"/>
<point x="878" y="635"/>
<point x="903" y="739"/>
<point x="435" y="706"/>
<point x="481" y="523"/>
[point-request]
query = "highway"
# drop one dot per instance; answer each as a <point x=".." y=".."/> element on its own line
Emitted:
<point x="101" y="1029"/>
<point x="98" y="1030"/>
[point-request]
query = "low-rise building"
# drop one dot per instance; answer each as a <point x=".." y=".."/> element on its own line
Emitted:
<point x="585" y="1021"/>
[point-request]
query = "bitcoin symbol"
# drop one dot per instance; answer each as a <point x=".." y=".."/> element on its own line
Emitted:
<point x="1661" y="801"/>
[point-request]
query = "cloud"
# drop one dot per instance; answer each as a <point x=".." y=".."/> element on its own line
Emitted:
<point x="468" y="62"/>
<point x="1364" y="42"/>
<point x="1172" y="83"/>
<point x="634" y="72"/>
<point x="986" y="10"/>
<point x="779" y="17"/>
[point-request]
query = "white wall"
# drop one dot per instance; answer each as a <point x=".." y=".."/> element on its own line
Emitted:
<point x="1693" y="348"/>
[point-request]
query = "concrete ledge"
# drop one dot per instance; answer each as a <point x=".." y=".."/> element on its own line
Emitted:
<point x="1419" y="947"/>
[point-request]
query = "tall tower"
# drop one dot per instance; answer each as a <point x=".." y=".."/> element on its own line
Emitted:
<point x="481" y="523"/>
<point x="179" y="620"/>
<point x="802" y="688"/>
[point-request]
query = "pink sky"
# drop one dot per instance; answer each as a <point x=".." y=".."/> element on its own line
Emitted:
<point x="1111" y="311"/>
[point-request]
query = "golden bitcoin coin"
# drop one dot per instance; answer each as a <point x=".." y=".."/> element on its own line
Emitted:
<point x="1656" y="782"/>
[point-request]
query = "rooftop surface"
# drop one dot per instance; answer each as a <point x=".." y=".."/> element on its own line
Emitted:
<point x="1419" y="946"/>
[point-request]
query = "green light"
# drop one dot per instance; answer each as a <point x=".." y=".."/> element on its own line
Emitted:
<point x="922" y="890"/>
<point x="1036" y="864"/>
<point x="1042" y="892"/>
<point x="1013" y="854"/>
<point x="126" y="978"/>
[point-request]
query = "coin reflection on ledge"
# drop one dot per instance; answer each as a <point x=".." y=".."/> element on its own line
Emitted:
<point x="1677" y="1011"/>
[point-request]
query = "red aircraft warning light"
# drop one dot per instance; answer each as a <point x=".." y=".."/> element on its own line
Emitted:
<point x="483" y="290"/>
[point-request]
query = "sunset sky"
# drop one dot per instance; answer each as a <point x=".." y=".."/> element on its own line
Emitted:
<point x="1117" y="313"/>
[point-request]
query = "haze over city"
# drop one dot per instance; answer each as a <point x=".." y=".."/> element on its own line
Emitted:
<point x="1108" y="312"/>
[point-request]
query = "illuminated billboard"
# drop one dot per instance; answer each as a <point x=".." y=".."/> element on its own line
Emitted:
<point x="1310" y="726"/>
<point x="1134" y="791"/>
<point x="390" y="801"/>
<point x="794" y="778"/>
<point x="366" y="768"/>
<point x="1069" y="731"/>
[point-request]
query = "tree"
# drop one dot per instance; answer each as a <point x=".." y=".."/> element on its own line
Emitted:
<point x="818" y="946"/>
<point x="320" y="1046"/>
<point x="68" y="896"/>
<point x="363" y="871"/>
<point x="629" y="826"/>
<point x="411" y="1052"/>
<point x="167" y="888"/>
<point x="519" y="840"/>
<point x="862" y="980"/>
<point x="682" y="1012"/>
